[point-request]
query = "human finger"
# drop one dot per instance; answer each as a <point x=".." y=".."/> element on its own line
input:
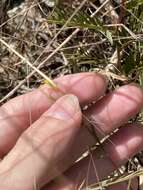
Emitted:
<point x="102" y="162"/>
<point x="42" y="152"/>
<point x="115" y="109"/>
<point x="20" y="112"/>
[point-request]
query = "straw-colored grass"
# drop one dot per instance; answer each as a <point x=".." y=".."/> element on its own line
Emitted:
<point x="38" y="42"/>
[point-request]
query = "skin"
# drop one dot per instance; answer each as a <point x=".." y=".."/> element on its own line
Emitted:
<point x="42" y="134"/>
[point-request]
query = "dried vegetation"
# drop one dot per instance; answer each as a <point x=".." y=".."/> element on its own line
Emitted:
<point x="69" y="37"/>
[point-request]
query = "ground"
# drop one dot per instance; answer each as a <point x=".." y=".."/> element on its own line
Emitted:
<point x="65" y="37"/>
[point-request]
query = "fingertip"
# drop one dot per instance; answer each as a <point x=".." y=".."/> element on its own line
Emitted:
<point x="133" y="89"/>
<point x="117" y="107"/>
<point x="87" y="86"/>
<point x="125" y="143"/>
<point x="65" y="108"/>
<point x="134" y="93"/>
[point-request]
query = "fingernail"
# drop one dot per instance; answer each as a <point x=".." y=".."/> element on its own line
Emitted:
<point x="65" y="108"/>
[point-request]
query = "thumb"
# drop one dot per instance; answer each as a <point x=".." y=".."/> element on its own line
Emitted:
<point x="43" y="150"/>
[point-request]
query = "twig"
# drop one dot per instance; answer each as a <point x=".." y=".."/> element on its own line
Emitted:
<point x="39" y="66"/>
<point x="28" y="62"/>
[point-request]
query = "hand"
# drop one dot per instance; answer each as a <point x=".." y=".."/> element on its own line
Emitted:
<point x="40" y="138"/>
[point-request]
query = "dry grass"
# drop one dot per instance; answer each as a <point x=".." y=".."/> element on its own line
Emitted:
<point x="39" y="43"/>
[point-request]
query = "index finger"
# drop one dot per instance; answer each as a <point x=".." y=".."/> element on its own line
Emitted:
<point x="20" y="112"/>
